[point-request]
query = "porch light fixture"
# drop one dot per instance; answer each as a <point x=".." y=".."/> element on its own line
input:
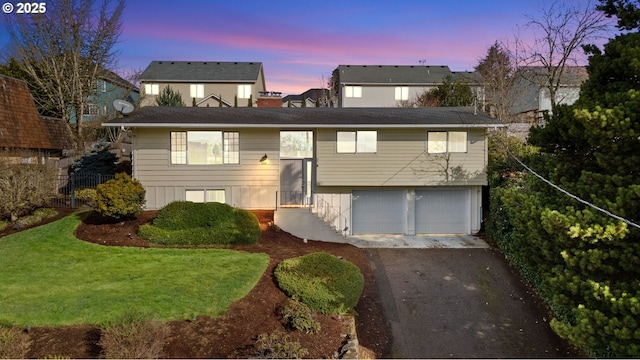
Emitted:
<point x="264" y="159"/>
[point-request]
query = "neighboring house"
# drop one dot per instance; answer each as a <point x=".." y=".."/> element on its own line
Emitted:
<point x="205" y="83"/>
<point x="391" y="85"/>
<point x="110" y="86"/>
<point x="312" y="98"/>
<point x="532" y="97"/>
<point x="24" y="133"/>
<point x="383" y="170"/>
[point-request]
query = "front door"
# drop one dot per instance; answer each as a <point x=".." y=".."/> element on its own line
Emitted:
<point x="295" y="182"/>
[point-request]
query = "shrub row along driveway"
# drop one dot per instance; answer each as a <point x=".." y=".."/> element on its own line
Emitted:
<point x="460" y="303"/>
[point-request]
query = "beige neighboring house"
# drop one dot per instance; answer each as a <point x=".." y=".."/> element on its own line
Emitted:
<point x="26" y="136"/>
<point x="364" y="170"/>
<point x="393" y="85"/>
<point x="205" y="83"/>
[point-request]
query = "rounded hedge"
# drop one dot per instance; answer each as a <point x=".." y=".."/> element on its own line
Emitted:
<point x="121" y="197"/>
<point x="189" y="223"/>
<point x="325" y="283"/>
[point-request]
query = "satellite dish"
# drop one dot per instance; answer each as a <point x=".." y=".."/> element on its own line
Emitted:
<point x="122" y="106"/>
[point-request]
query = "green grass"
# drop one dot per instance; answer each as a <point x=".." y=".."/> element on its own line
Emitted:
<point x="48" y="277"/>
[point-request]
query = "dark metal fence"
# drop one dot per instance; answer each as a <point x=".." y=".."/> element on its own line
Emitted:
<point x="76" y="190"/>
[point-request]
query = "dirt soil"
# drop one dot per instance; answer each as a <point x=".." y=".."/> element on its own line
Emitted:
<point x="232" y="335"/>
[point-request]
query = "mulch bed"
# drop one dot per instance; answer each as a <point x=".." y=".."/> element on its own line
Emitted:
<point x="234" y="334"/>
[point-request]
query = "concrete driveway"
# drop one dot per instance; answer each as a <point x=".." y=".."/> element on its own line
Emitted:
<point x="460" y="303"/>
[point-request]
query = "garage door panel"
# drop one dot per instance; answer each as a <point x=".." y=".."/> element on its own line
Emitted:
<point x="379" y="211"/>
<point x="442" y="211"/>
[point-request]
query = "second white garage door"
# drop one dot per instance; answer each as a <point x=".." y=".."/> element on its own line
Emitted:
<point x="379" y="211"/>
<point x="442" y="211"/>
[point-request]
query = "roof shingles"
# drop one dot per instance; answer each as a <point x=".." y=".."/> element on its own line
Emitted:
<point x="21" y="126"/>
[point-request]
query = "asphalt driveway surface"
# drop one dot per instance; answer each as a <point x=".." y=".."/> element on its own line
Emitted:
<point x="460" y="303"/>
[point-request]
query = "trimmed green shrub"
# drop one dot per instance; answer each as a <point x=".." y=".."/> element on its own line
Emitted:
<point x="189" y="223"/>
<point x="122" y="197"/>
<point x="323" y="282"/>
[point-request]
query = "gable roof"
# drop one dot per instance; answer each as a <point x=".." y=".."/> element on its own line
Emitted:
<point x="303" y="118"/>
<point x="202" y="71"/>
<point x="116" y="79"/>
<point x="21" y="126"/>
<point x="392" y="74"/>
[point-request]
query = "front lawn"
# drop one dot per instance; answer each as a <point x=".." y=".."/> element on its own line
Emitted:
<point x="50" y="278"/>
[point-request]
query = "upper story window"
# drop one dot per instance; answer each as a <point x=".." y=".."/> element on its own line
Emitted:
<point x="361" y="142"/>
<point x="197" y="91"/>
<point x="402" y="93"/>
<point x="151" y="89"/>
<point x="205" y="147"/>
<point x="91" y="109"/>
<point x="353" y="91"/>
<point x="439" y="142"/>
<point x="244" y="91"/>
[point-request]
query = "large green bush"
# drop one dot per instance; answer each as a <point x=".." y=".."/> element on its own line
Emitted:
<point x="189" y="223"/>
<point x="325" y="283"/>
<point x="122" y="197"/>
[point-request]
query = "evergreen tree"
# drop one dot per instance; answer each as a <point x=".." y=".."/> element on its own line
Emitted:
<point x="169" y="97"/>
<point x="589" y="262"/>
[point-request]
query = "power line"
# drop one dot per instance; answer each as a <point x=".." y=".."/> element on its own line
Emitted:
<point x="606" y="212"/>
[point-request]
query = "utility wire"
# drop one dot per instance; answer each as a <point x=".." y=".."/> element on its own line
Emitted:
<point x="568" y="193"/>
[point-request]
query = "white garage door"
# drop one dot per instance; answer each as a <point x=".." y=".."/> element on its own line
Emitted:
<point x="379" y="211"/>
<point x="443" y="211"/>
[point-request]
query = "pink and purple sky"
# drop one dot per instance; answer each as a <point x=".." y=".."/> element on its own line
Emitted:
<point x="301" y="43"/>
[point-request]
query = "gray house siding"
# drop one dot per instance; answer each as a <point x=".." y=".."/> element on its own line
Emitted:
<point x="248" y="185"/>
<point x="401" y="160"/>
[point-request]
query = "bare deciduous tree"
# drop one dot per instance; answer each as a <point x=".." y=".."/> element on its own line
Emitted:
<point x="64" y="50"/>
<point x="559" y="30"/>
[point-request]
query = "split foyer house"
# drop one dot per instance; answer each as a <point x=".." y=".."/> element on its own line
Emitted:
<point x="204" y="83"/>
<point x="378" y="170"/>
<point x="392" y="85"/>
<point x="29" y="136"/>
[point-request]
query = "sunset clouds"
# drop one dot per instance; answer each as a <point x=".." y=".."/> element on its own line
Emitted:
<point x="301" y="43"/>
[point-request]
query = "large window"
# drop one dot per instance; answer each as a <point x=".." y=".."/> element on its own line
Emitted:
<point x="201" y="196"/>
<point x="357" y="142"/>
<point x="296" y="144"/>
<point x="196" y="91"/>
<point x="205" y="147"/>
<point x="151" y="89"/>
<point x="402" y="93"/>
<point x="244" y="91"/>
<point x="439" y="142"/>
<point x="353" y="91"/>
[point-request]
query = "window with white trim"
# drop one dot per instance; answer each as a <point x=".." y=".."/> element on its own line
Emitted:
<point x="439" y="142"/>
<point x="361" y="142"/>
<point x="91" y="109"/>
<point x="244" y="91"/>
<point x="205" y="147"/>
<point x="196" y="91"/>
<point x="151" y="89"/>
<point x="353" y="91"/>
<point x="204" y="195"/>
<point x="402" y="93"/>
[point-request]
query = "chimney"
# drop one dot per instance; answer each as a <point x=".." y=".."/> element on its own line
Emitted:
<point x="270" y="99"/>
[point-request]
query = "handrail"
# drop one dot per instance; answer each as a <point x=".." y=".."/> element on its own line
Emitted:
<point x="330" y="214"/>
